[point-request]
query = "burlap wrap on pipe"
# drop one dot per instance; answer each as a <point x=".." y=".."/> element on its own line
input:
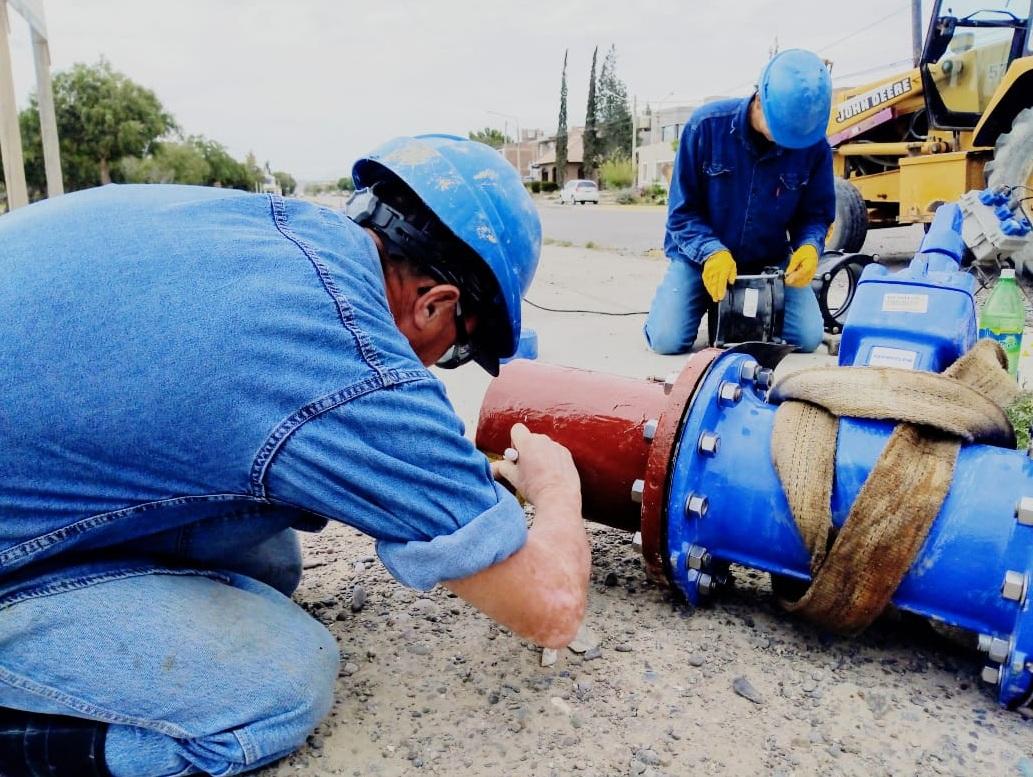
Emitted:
<point x="856" y="574"/>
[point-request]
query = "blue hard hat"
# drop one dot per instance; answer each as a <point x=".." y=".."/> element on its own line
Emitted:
<point x="795" y="91"/>
<point x="479" y="197"/>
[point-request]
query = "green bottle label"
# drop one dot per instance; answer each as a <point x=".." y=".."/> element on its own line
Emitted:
<point x="1011" y="342"/>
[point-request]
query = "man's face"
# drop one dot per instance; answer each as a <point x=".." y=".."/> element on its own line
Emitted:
<point x="757" y="120"/>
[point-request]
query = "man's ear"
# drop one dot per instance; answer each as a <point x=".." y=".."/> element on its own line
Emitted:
<point x="436" y="306"/>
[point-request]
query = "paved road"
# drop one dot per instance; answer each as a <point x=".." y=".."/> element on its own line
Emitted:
<point x="638" y="229"/>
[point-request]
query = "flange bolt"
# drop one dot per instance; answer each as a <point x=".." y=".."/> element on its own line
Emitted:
<point x="649" y="430"/>
<point x="696" y="506"/>
<point x="669" y="382"/>
<point x="705" y="585"/>
<point x="1024" y="511"/>
<point x="1014" y="586"/>
<point x="998" y="650"/>
<point x="765" y="378"/>
<point x="749" y="370"/>
<point x="991" y="674"/>
<point x="637" y="489"/>
<point x="729" y="393"/>
<point x="709" y="443"/>
<point x="698" y="557"/>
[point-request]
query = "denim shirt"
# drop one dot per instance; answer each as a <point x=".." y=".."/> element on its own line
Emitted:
<point x="170" y="354"/>
<point x="726" y="194"/>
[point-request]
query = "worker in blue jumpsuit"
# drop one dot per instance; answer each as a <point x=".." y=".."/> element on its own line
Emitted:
<point x="752" y="188"/>
<point x="191" y="375"/>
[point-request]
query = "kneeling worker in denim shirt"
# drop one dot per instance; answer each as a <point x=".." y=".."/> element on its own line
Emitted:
<point x="752" y="188"/>
<point x="191" y="374"/>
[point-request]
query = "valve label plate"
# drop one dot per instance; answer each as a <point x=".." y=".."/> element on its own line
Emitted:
<point x="905" y="303"/>
<point x="882" y="356"/>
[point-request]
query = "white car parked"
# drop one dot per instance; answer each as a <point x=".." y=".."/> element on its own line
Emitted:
<point x="581" y="191"/>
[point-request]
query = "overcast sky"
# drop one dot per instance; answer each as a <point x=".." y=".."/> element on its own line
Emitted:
<point x="310" y="84"/>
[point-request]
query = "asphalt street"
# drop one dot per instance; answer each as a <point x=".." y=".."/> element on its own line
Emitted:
<point x="640" y="229"/>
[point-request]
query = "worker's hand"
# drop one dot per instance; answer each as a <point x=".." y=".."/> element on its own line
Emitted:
<point x="543" y="467"/>
<point x="718" y="274"/>
<point x="802" y="266"/>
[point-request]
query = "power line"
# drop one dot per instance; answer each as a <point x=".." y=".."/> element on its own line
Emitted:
<point x="867" y="27"/>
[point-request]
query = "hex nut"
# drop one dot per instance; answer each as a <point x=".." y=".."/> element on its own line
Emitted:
<point x="705" y="584"/>
<point x="698" y="557"/>
<point x="638" y="488"/>
<point x="1024" y="511"/>
<point x="729" y="393"/>
<point x="1014" y="586"/>
<point x="649" y="430"/>
<point x="991" y="674"/>
<point x="696" y="506"/>
<point x="999" y="650"/>
<point x="765" y="378"/>
<point x="708" y="444"/>
<point x="636" y="541"/>
<point x="748" y="371"/>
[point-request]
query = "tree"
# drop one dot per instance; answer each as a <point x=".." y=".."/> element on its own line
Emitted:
<point x="590" y="157"/>
<point x="102" y="116"/>
<point x="491" y="136"/>
<point x="561" y="128"/>
<point x="170" y="163"/>
<point x="345" y="184"/>
<point x="286" y="182"/>
<point x="617" y="172"/>
<point x="614" y="112"/>
<point x="223" y="169"/>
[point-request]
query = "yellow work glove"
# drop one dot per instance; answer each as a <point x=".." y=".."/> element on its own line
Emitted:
<point x="718" y="274"/>
<point x="802" y="266"/>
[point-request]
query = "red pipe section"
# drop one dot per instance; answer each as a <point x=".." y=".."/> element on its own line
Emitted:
<point x="599" y="417"/>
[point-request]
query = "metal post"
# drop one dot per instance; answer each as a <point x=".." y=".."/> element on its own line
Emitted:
<point x="634" y="135"/>
<point x="916" y="31"/>
<point x="10" y="134"/>
<point x="47" y="117"/>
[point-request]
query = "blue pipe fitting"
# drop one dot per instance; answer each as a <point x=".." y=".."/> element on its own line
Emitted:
<point x="721" y="512"/>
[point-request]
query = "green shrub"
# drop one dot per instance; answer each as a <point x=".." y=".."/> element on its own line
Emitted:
<point x="617" y="172"/>
<point x="655" y="192"/>
<point x="534" y="186"/>
<point x="626" y="197"/>
<point x="550" y="186"/>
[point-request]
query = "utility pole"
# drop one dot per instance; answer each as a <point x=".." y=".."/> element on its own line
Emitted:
<point x="516" y="120"/>
<point x="634" y="135"/>
<point x="916" y="31"/>
<point x="10" y="134"/>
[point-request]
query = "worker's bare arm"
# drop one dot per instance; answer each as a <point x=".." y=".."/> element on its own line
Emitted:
<point x="540" y="592"/>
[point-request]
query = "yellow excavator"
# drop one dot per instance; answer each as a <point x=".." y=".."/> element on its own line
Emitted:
<point x="962" y="119"/>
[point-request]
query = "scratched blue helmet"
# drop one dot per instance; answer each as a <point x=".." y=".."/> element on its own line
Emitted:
<point x="795" y="91"/>
<point x="478" y="196"/>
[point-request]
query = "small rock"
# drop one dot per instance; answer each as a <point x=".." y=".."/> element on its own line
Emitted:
<point x="358" y="598"/>
<point x="592" y="653"/>
<point x="696" y="659"/>
<point x="648" y="757"/>
<point x="420" y="649"/>
<point x="745" y="688"/>
<point x="623" y="647"/>
<point x="549" y="656"/>
<point x="350" y="669"/>
<point x="611" y="579"/>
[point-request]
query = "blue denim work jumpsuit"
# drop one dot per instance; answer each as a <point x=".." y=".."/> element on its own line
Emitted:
<point x="186" y="376"/>
<point x="759" y="205"/>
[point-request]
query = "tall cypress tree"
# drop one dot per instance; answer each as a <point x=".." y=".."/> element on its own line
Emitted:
<point x="614" y="111"/>
<point x="591" y="137"/>
<point x="561" y="128"/>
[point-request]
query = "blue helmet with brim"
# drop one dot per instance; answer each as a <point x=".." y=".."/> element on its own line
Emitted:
<point x="795" y="90"/>
<point x="478" y="196"/>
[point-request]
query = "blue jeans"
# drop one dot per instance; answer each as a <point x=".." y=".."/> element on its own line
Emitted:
<point x="681" y="300"/>
<point x="187" y="644"/>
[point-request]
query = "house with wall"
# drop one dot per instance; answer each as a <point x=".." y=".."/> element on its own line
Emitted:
<point x="657" y="138"/>
<point x="523" y="153"/>
<point x="544" y="168"/>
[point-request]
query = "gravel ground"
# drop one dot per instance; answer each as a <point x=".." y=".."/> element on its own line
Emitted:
<point x="428" y="685"/>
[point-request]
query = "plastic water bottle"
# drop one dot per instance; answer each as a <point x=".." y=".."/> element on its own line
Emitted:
<point x="1003" y="318"/>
